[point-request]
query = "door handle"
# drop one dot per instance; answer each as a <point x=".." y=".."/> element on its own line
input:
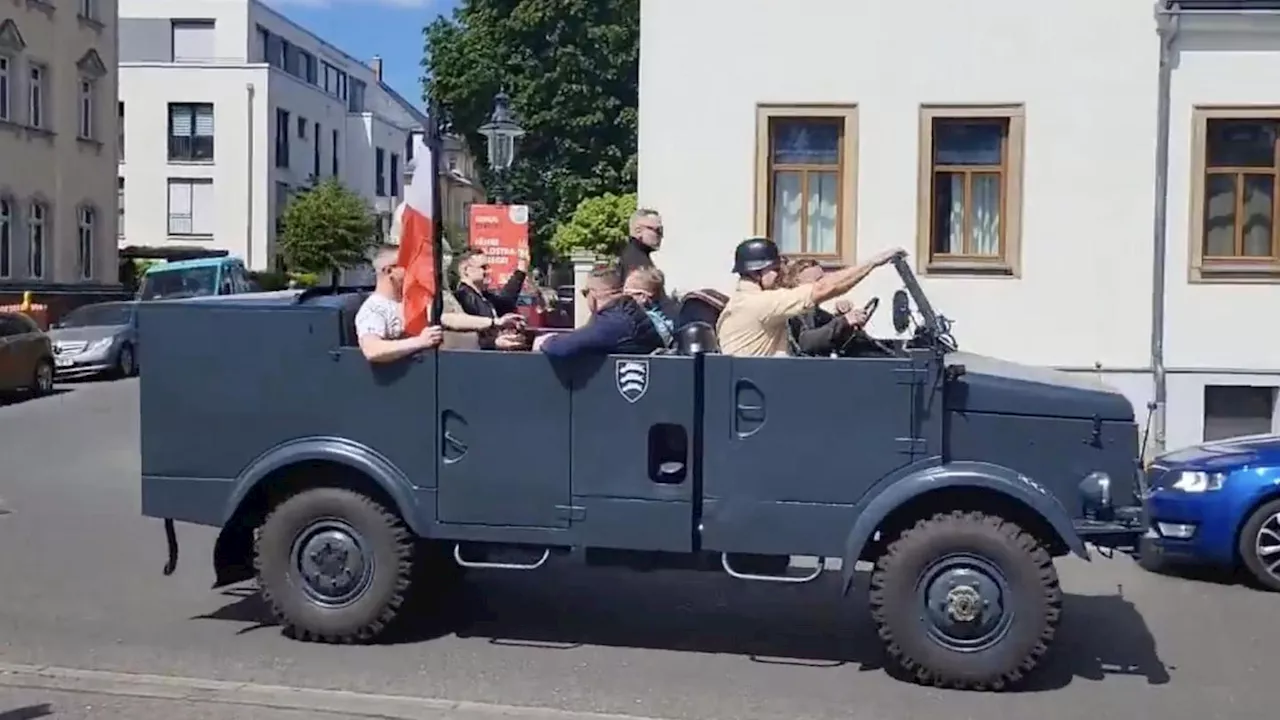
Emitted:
<point x="749" y="409"/>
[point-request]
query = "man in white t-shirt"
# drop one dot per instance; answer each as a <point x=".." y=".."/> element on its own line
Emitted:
<point x="380" y="320"/>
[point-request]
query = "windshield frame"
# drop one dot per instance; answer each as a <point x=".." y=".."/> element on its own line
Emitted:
<point x="923" y="306"/>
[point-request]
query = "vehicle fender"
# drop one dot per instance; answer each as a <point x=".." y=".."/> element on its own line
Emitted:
<point x="915" y="480"/>
<point x="354" y="455"/>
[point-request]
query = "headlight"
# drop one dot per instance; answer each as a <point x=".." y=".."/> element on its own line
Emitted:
<point x="1198" y="482"/>
<point x="100" y="344"/>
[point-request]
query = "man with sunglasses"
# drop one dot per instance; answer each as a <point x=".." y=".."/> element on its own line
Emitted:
<point x="645" y="237"/>
<point x="499" y="308"/>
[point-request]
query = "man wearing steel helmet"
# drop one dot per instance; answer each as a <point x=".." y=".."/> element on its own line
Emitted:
<point x="754" y="321"/>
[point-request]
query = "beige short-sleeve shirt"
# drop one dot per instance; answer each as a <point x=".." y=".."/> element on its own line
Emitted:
<point x="754" y="321"/>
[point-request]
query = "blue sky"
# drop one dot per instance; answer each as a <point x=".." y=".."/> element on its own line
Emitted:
<point x="364" y="28"/>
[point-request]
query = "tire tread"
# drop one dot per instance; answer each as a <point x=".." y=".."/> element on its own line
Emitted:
<point x="943" y="523"/>
<point x="404" y="549"/>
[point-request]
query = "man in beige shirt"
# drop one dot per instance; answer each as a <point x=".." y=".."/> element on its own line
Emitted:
<point x="754" y="321"/>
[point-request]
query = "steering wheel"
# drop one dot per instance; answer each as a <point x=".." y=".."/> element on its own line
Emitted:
<point x="860" y="334"/>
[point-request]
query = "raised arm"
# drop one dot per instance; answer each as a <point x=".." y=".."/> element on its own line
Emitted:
<point x="835" y="284"/>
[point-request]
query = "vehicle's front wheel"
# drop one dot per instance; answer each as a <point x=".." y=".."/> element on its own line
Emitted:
<point x="334" y="565"/>
<point x="1260" y="545"/>
<point x="42" y="380"/>
<point x="126" y="362"/>
<point x="966" y="600"/>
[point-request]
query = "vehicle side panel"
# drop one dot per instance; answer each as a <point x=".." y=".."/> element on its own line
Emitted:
<point x="1057" y="453"/>
<point x="504" y="440"/>
<point x="633" y="475"/>
<point x="209" y="363"/>
<point x="792" y="444"/>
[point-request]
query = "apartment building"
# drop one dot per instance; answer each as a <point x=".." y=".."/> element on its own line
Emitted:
<point x="252" y="107"/>
<point x="57" y="145"/>
<point x="1014" y="148"/>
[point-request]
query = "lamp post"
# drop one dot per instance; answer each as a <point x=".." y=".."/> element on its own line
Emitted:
<point x="500" y="134"/>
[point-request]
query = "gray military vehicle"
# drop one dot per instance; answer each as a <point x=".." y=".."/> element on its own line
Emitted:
<point x="345" y="487"/>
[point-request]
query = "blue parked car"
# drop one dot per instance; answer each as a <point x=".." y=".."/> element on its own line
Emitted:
<point x="1217" y="504"/>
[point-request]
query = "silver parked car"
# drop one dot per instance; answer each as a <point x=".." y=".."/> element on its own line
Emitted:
<point x="96" y="339"/>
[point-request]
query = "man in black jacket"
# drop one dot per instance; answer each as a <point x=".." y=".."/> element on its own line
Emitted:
<point x="500" y="307"/>
<point x="618" y="323"/>
<point x="644" y="237"/>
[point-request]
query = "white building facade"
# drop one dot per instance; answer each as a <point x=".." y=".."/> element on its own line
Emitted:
<point x="251" y="107"/>
<point x="57" y="145"/>
<point x="1013" y="148"/>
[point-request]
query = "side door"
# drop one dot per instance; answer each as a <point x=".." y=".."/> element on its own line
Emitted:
<point x="9" y="376"/>
<point x="791" y="443"/>
<point x="503" y="440"/>
<point x="634" y="431"/>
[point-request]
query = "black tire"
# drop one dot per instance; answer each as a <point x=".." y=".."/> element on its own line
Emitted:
<point x="969" y="540"/>
<point x="126" y="362"/>
<point x="42" y="378"/>
<point x="1261" y="528"/>
<point x="384" y="539"/>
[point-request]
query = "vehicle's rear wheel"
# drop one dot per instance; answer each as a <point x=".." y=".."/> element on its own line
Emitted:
<point x="42" y="380"/>
<point x="1260" y="545"/>
<point x="334" y="565"/>
<point x="966" y="600"/>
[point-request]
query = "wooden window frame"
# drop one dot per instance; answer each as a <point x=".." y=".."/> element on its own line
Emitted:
<point x="1237" y="270"/>
<point x="1009" y="263"/>
<point x="847" y="175"/>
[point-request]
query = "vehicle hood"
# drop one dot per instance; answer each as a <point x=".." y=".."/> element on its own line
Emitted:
<point x="86" y="334"/>
<point x="1223" y="455"/>
<point x="989" y="385"/>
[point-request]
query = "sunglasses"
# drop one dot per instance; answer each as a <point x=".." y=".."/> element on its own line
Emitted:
<point x="659" y="230"/>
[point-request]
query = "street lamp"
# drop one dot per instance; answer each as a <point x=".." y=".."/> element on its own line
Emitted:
<point x="500" y="134"/>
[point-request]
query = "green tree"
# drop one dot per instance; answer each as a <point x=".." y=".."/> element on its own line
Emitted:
<point x="571" y="68"/>
<point x="598" y="225"/>
<point x="326" y="228"/>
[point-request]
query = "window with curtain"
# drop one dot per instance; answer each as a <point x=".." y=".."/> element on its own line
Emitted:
<point x="968" y="172"/>
<point x="84" y="256"/>
<point x="191" y="132"/>
<point x="37" y="229"/>
<point x="805" y="171"/>
<point x="1238" y="220"/>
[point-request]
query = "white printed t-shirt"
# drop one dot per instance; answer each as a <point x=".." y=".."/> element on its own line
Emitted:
<point x="380" y="315"/>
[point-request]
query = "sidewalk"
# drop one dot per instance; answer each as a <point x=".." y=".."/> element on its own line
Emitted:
<point x="30" y="692"/>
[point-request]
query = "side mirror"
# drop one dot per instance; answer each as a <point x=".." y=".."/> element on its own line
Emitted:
<point x="901" y="311"/>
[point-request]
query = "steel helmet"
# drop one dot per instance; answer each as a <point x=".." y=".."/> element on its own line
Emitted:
<point x="755" y="254"/>
<point x="696" y="338"/>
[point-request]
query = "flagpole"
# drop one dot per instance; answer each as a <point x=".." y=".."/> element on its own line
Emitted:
<point x="435" y="147"/>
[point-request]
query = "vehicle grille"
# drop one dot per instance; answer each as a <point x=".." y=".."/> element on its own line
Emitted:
<point x="70" y="348"/>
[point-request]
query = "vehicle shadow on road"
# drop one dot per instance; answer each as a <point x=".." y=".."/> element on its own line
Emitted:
<point x="29" y="712"/>
<point x="563" y="608"/>
<point x="8" y="400"/>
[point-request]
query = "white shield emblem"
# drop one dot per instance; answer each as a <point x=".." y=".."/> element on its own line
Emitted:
<point x="632" y="377"/>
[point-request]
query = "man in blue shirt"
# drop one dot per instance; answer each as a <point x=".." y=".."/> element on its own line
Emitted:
<point x="618" y="323"/>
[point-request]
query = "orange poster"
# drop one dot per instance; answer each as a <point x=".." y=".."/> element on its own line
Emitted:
<point x="500" y="232"/>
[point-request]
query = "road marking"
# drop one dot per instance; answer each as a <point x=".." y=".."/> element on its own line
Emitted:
<point x="353" y="704"/>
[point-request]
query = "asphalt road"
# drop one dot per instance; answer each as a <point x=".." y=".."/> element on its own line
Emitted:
<point x="81" y="589"/>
